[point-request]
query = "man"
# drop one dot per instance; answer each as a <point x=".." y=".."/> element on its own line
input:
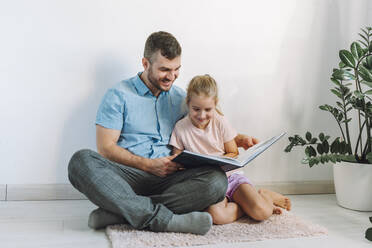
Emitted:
<point x="132" y="177"/>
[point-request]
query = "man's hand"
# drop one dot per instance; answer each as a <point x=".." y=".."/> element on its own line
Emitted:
<point x="164" y="166"/>
<point x="245" y="141"/>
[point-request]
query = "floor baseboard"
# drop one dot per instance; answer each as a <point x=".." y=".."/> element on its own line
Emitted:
<point x="44" y="192"/>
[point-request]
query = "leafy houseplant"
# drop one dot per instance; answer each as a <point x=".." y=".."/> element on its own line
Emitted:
<point x="353" y="88"/>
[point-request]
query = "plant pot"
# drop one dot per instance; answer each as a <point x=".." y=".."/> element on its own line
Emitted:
<point x="353" y="184"/>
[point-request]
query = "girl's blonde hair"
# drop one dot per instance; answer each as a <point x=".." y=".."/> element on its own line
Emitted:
<point x="203" y="85"/>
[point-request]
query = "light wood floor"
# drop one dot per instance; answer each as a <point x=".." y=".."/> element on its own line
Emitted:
<point x="60" y="224"/>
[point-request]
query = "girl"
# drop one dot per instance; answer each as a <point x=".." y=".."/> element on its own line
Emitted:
<point x="205" y="130"/>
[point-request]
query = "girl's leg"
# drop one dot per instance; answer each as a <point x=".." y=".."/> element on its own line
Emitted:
<point x="225" y="212"/>
<point x="257" y="206"/>
<point x="278" y="199"/>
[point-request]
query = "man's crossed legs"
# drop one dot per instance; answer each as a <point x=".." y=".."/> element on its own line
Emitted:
<point x="145" y="201"/>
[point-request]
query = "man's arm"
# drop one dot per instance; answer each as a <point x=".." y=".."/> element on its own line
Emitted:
<point x="245" y="141"/>
<point x="107" y="146"/>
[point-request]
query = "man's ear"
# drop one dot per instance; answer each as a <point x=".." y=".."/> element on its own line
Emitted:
<point x="145" y="63"/>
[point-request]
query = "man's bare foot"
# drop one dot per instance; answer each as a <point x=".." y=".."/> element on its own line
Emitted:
<point x="277" y="210"/>
<point x="278" y="199"/>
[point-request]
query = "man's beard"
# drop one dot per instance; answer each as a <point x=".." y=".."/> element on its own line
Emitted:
<point x="155" y="82"/>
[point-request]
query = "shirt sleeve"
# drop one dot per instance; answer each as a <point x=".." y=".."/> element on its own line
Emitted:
<point x="110" y="112"/>
<point x="228" y="132"/>
<point x="175" y="139"/>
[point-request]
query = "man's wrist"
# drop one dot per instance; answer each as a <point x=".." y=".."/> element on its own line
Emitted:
<point x="146" y="164"/>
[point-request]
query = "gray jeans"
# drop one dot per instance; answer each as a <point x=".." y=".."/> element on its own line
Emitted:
<point x="143" y="199"/>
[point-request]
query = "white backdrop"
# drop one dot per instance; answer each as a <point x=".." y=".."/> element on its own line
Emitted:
<point x="272" y="60"/>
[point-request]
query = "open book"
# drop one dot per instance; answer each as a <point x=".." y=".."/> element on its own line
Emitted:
<point x="191" y="159"/>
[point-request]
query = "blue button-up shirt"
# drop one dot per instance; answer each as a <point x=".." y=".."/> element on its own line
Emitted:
<point x="145" y="121"/>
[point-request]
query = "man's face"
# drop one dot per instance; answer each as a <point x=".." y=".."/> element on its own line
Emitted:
<point x="162" y="72"/>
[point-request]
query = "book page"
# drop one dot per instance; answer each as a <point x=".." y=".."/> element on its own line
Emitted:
<point x="247" y="155"/>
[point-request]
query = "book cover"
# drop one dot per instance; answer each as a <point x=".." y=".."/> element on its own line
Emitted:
<point x="191" y="159"/>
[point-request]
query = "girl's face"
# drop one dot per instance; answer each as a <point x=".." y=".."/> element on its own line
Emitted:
<point x="201" y="110"/>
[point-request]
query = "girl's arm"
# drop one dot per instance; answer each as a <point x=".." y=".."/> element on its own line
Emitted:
<point x="231" y="149"/>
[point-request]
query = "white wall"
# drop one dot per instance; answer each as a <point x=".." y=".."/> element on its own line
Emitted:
<point x="272" y="60"/>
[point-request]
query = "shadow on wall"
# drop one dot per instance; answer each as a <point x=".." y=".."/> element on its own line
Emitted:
<point x="314" y="56"/>
<point x="79" y="130"/>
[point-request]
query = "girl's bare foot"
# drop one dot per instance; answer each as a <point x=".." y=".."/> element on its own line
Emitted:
<point x="278" y="199"/>
<point x="277" y="210"/>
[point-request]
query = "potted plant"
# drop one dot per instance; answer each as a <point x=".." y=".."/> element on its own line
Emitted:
<point x="351" y="152"/>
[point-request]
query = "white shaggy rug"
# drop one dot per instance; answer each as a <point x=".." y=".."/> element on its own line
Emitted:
<point x="283" y="226"/>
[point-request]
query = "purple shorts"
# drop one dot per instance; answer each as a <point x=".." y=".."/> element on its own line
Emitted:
<point x="234" y="180"/>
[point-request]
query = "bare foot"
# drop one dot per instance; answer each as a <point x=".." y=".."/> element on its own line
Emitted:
<point x="277" y="210"/>
<point x="278" y="199"/>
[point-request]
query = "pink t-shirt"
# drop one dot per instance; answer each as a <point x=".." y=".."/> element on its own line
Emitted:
<point x="186" y="136"/>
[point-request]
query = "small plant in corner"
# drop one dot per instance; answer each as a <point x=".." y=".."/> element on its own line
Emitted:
<point x="353" y="88"/>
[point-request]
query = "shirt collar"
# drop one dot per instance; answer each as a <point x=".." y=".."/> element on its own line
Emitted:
<point x="141" y="87"/>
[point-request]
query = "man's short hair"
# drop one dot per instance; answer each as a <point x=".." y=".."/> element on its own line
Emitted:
<point x="163" y="41"/>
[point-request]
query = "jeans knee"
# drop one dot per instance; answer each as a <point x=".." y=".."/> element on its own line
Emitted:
<point x="78" y="163"/>
<point x="217" y="186"/>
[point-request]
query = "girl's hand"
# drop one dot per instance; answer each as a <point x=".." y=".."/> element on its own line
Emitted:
<point x="245" y="141"/>
<point x="231" y="155"/>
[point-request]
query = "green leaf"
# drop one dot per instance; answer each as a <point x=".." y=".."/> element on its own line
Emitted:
<point x="365" y="32"/>
<point x="341" y="65"/>
<point x="305" y="161"/>
<point x="321" y="137"/>
<point x="356" y="50"/>
<point x="311" y="162"/>
<point x="347" y="58"/>
<point x="338" y="94"/>
<point x="332" y="158"/>
<point x="324" y="107"/>
<point x="335" y="146"/>
<point x="348" y="158"/>
<point x="312" y="151"/>
<point x="369" y="157"/>
<point x="368" y="92"/>
<point x="365" y="74"/>
<point x="313" y="140"/>
<point x="320" y="149"/>
<point x="325" y="146"/>
<point x="342" y="75"/>
<point x="370" y="47"/>
<point x="288" y="148"/>
<point x="335" y="81"/>
<point x="369" y="62"/>
<point x="358" y="94"/>
<point x="308" y="136"/>
<point x="365" y="44"/>
<point x="347" y="120"/>
<point x="364" y="38"/>
<point x="367" y="83"/>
